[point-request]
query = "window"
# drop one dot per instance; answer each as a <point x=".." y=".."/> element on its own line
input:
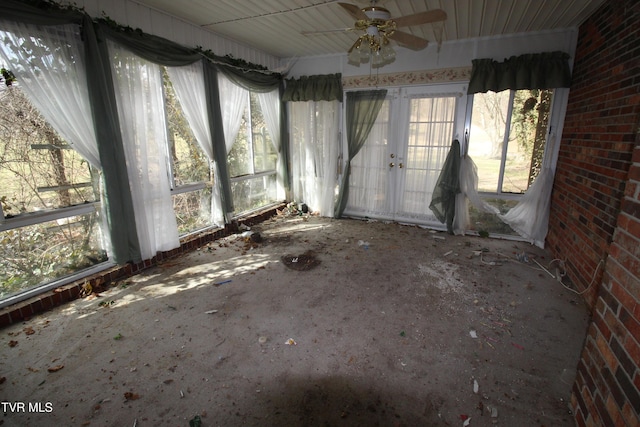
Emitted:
<point x="507" y="142"/>
<point x="190" y="171"/>
<point x="252" y="162"/>
<point x="50" y="200"/>
<point x="507" y="138"/>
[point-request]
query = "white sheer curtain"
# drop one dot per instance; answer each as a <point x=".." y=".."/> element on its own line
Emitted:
<point x="188" y="83"/>
<point x="368" y="181"/>
<point x="314" y="153"/>
<point x="270" y="106"/>
<point x="468" y="193"/>
<point x="53" y="78"/>
<point x="138" y="86"/>
<point x="530" y="217"/>
<point x="233" y="102"/>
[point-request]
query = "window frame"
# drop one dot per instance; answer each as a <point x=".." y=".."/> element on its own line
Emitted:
<point x="252" y="174"/>
<point x="27" y="219"/>
<point x="499" y="193"/>
<point x="191" y="187"/>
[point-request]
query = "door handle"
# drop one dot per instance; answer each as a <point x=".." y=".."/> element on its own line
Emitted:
<point x="391" y="164"/>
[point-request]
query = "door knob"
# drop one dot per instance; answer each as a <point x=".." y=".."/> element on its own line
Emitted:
<point x="391" y="164"/>
<point x="400" y="165"/>
<point x="393" y="156"/>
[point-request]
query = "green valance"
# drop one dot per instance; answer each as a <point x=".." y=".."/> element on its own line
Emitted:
<point x="150" y="47"/>
<point x="314" y="88"/>
<point x="22" y="12"/>
<point x="530" y="71"/>
<point x="253" y="80"/>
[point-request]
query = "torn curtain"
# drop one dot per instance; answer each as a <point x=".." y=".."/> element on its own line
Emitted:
<point x="443" y="201"/>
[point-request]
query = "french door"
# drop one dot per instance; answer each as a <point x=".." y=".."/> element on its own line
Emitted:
<point x="395" y="172"/>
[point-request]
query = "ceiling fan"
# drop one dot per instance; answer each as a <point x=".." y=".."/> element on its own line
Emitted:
<point x="379" y="28"/>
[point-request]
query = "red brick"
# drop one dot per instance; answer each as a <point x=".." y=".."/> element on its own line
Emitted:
<point x="614" y="412"/>
<point x="630" y="415"/>
<point x="25" y="311"/>
<point x="615" y="325"/>
<point x="630" y="323"/>
<point x="46" y="302"/>
<point x="607" y="355"/>
<point x="5" y="319"/>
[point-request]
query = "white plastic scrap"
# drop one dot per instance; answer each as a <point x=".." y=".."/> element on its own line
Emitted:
<point x="494" y="412"/>
<point x="466" y="422"/>
<point x="363" y="243"/>
<point x="476" y="386"/>
<point x="291" y="341"/>
<point x="473" y="334"/>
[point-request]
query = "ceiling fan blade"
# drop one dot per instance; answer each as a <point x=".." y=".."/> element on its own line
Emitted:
<point x="409" y="40"/>
<point x="354" y="11"/>
<point x="427" y="17"/>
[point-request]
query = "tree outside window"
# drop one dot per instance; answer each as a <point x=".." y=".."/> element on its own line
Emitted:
<point x="507" y="142"/>
<point x="190" y="169"/>
<point x="507" y="138"/>
<point x="50" y="224"/>
<point x="252" y="162"/>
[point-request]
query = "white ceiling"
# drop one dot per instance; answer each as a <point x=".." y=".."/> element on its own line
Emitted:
<point x="277" y="27"/>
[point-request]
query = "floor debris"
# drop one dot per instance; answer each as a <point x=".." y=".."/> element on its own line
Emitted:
<point x="353" y="366"/>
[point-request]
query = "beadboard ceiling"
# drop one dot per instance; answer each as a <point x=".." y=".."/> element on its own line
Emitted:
<point x="281" y="27"/>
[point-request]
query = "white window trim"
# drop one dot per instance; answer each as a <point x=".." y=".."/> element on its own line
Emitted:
<point x="33" y="218"/>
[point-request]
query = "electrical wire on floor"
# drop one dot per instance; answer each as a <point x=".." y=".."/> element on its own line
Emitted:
<point x="560" y="269"/>
<point x="560" y="274"/>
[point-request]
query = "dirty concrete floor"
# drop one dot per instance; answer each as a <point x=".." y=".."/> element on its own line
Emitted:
<point x="394" y="326"/>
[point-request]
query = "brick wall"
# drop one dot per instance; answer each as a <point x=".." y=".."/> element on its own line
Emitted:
<point x="597" y="143"/>
<point x="595" y="214"/>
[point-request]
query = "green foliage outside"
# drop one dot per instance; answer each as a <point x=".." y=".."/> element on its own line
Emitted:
<point x="189" y="165"/>
<point x="252" y="153"/>
<point x="526" y="138"/>
<point x="39" y="173"/>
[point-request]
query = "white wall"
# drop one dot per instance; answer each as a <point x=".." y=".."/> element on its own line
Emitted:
<point x="452" y="54"/>
<point x="151" y="21"/>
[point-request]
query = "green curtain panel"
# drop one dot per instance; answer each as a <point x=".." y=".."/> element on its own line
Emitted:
<point x="362" y="109"/>
<point x="531" y="71"/>
<point x="443" y="201"/>
<point x="314" y="88"/>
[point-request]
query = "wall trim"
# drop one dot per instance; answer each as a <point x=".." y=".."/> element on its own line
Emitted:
<point x="408" y="78"/>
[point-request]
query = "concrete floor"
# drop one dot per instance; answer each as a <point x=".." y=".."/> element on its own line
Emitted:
<point x="317" y="322"/>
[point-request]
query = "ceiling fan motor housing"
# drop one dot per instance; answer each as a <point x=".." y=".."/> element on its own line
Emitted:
<point x="378" y="17"/>
<point x="377" y="13"/>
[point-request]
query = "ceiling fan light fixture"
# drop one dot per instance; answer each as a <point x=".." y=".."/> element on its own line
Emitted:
<point x="380" y="28"/>
<point x="388" y="54"/>
<point x="374" y="48"/>
<point x="355" y="53"/>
